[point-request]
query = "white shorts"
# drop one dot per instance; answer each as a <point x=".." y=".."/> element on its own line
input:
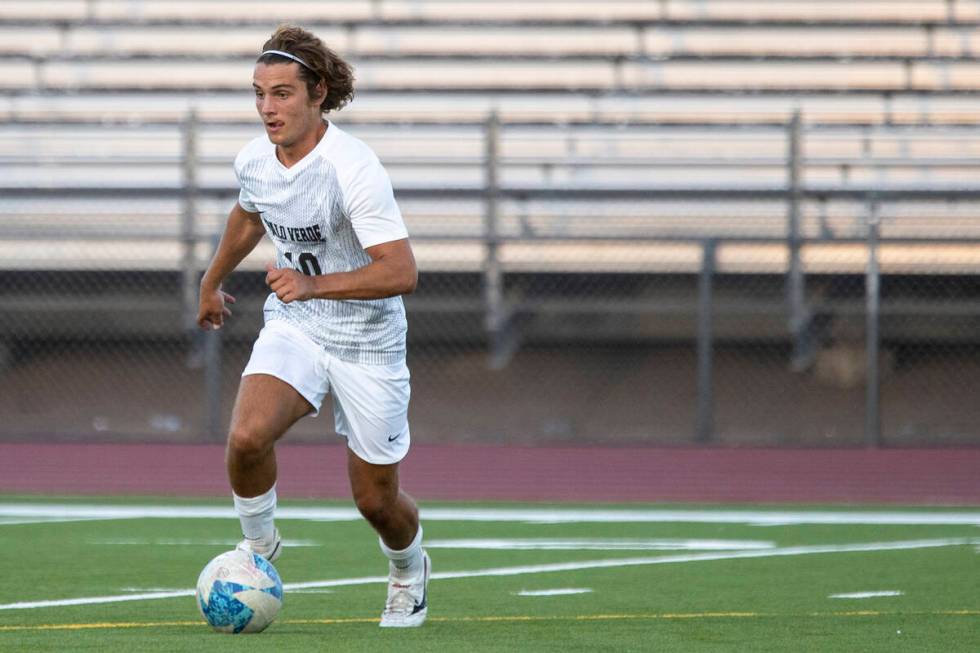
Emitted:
<point x="370" y="402"/>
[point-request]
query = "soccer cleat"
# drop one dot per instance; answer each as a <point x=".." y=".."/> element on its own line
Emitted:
<point x="270" y="553"/>
<point x="407" y="603"/>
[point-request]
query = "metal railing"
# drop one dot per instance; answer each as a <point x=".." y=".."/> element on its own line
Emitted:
<point x="502" y="330"/>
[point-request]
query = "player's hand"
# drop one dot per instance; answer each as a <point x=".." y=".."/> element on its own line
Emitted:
<point x="288" y="284"/>
<point x="212" y="308"/>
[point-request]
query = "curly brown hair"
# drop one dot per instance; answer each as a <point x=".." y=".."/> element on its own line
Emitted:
<point x="325" y="65"/>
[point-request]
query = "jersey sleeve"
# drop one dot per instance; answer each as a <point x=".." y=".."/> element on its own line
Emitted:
<point x="370" y="203"/>
<point x="245" y="202"/>
<point x="244" y="199"/>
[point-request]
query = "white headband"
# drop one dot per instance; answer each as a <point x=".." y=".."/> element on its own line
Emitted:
<point x="288" y="56"/>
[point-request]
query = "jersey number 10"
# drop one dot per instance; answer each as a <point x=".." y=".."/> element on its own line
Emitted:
<point x="308" y="264"/>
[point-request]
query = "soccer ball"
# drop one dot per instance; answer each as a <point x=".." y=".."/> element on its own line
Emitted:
<point x="239" y="592"/>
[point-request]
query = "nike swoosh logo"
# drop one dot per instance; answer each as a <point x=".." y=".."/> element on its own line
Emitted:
<point x="392" y="438"/>
<point x="425" y="594"/>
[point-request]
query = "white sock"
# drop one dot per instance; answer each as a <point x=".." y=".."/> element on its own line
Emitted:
<point x="256" y="515"/>
<point x="408" y="561"/>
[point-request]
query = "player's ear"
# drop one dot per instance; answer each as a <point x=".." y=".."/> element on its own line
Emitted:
<point x="319" y="92"/>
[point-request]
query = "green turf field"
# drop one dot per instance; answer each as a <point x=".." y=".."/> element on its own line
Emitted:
<point x="508" y="577"/>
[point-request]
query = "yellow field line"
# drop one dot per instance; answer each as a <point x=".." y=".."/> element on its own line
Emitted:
<point x="102" y="625"/>
<point x="666" y="616"/>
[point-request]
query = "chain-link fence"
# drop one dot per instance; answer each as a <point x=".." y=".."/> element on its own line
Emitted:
<point x="580" y="283"/>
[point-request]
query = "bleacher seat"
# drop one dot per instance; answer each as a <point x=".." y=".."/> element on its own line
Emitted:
<point x="520" y="75"/>
<point x="35" y="41"/>
<point x="185" y="40"/>
<point x="45" y="10"/>
<point x="825" y="10"/>
<point x="509" y="10"/>
<point x="758" y="75"/>
<point x="231" y="10"/>
<point x="897" y="11"/>
<point x="509" y="42"/>
<point x="17" y="75"/>
<point x="461" y="75"/>
<point x="523" y="40"/>
<point x="946" y="75"/>
<point x="153" y="74"/>
<point x="794" y="40"/>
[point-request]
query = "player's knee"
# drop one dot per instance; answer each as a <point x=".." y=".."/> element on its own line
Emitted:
<point x="373" y="506"/>
<point x="248" y="442"/>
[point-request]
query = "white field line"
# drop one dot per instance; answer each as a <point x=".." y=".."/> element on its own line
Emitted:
<point x="558" y="592"/>
<point x="537" y="569"/>
<point x="499" y="544"/>
<point x="705" y="557"/>
<point x="92" y="600"/>
<point x="534" y="515"/>
<point x="17" y="521"/>
<point x="866" y="595"/>
<point x="191" y="542"/>
<point x="599" y="544"/>
<point x="95" y="511"/>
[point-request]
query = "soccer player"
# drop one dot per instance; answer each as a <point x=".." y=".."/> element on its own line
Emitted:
<point x="334" y="322"/>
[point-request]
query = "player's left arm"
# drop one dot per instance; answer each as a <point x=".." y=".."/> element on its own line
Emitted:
<point x="392" y="271"/>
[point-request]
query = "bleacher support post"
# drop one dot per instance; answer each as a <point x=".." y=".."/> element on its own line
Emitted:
<point x="206" y="346"/>
<point x="704" y="419"/>
<point x="212" y="386"/>
<point x="188" y="237"/>
<point x="872" y="415"/>
<point x="501" y="342"/>
<point x="803" y="348"/>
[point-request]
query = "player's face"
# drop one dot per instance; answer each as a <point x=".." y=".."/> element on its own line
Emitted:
<point x="283" y="103"/>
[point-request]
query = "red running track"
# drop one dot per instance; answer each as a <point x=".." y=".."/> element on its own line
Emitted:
<point x="487" y="472"/>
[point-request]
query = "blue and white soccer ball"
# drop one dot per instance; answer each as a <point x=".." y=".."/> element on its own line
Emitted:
<point x="239" y="592"/>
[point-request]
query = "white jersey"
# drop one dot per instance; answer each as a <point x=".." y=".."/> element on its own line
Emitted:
<point x="321" y="213"/>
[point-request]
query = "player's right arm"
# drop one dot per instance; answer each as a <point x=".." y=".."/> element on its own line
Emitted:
<point x="243" y="231"/>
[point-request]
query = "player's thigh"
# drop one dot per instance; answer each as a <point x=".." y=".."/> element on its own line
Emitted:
<point x="266" y="407"/>
<point x="282" y="382"/>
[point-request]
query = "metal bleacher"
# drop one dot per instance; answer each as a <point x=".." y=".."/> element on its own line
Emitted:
<point x="630" y="133"/>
